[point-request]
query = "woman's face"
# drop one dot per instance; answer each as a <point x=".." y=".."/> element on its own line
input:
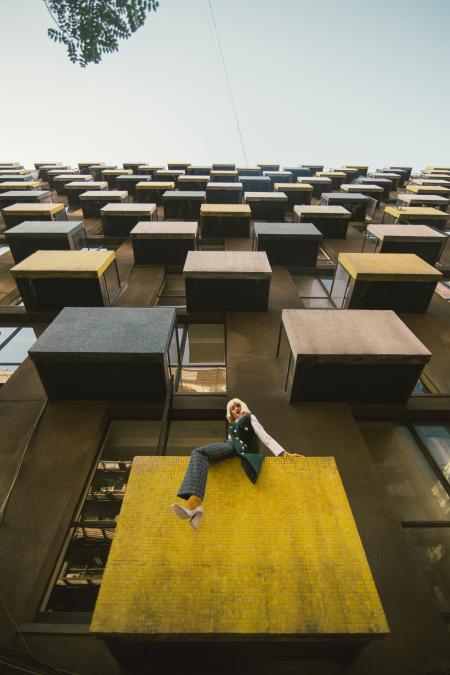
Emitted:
<point x="236" y="411"/>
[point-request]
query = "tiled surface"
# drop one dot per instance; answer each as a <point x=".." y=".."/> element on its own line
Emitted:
<point x="296" y="569"/>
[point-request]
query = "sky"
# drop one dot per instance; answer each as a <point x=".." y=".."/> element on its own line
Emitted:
<point x="329" y="82"/>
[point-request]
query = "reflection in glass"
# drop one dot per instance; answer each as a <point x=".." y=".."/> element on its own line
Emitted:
<point x="437" y="441"/>
<point x="202" y="349"/>
<point x="327" y="282"/>
<point x="203" y="381"/>
<point x="340" y="286"/>
<point x="416" y="491"/>
<point x="317" y="303"/>
<point x="432" y="546"/>
<point x="129" y="438"/>
<point x="6" y="372"/>
<point x="173" y="285"/>
<point x="5" y="333"/>
<point x="173" y="348"/>
<point x="309" y="287"/>
<point x="171" y="301"/>
<point x="420" y="388"/>
<point x="16" y="350"/>
<point x="205" y="343"/>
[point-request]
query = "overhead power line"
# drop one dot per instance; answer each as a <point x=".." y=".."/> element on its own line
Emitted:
<point x="228" y="83"/>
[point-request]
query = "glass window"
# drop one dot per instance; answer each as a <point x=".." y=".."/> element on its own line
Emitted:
<point x="309" y="287"/>
<point x="420" y="388"/>
<point x="341" y="284"/>
<point x="212" y="247"/>
<point x="173" y="285"/>
<point x="437" y="441"/>
<point x="287" y="362"/>
<point x="14" y="345"/>
<point x="323" y="256"/>
<point x="205" y="343"/>
<point x="172" y="293"/>
<point x="128" y="438"/>
<point x="203" y="358"/>
<point x="415" y="489"/>
<point x="111" y="281"/>
<point x="173" y="349"/>
<point x="5" y="334"/>
<point x="327" y="282"/>
<point x="16" y="350"/>
<point x="432" y="546"/>
<point x="203" y="381"/>
<point x="313" y="291"/>
<point x="171" y="301"/>
<point x="185" y="435"/>
<point x="317" y="303"/>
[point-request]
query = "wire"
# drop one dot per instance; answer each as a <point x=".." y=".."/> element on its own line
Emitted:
<point x="16" y="627"/>
<point x="228" y="82"/>
<point x="53" y="16"/>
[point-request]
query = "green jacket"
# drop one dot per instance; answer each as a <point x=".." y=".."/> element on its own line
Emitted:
<point x="244" y="440"/>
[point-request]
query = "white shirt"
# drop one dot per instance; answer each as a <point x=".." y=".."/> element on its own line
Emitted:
<point x="264" y="437"/>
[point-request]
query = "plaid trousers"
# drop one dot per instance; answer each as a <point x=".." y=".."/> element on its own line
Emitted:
<point x="194" y="482"/>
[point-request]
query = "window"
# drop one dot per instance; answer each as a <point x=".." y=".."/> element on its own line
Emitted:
<point x="416" y="491"/>
<point x="420" y="388"/>
<point x="314" y="291"/>
<point x="172" y="292"/>
<point x="414" y="463"/>
<point x="340" y="290"/>
<point x="185" y="435"/>
<point x="424" y="386"/>
<point x="14" y="345"/>
<point x="209" y="245"/>
<point x="81" y="567"/>
<point x="432" y="546"/>
<point x="436" y="440"/>
<point x="322" y="256"/>
<point x="128" y="438"/>
<point x="203" y="359"/>
<point x="286" y="360"/>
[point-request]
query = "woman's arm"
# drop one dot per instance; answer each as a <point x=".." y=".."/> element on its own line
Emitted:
<point x="264" y="437"/>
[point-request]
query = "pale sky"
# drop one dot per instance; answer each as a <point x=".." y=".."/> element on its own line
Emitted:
<point x="328" y="82"/>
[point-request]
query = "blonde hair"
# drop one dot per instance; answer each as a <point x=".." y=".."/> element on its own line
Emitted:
<point x="233" y="402"/>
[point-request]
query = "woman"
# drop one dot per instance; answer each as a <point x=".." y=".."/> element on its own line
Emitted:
<point x="242" y="440"/>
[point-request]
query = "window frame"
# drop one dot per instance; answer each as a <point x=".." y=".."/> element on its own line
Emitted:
<point x="184" y="325"/>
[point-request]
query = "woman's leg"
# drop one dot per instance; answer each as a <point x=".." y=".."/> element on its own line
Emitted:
<point x="194" y="482"/>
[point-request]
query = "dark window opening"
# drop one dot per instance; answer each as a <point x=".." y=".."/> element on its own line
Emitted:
<point x="82" y="563"/>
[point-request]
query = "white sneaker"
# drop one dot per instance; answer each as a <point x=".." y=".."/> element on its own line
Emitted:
<point x="184" y="513"/>
<point x="196" y="518"/>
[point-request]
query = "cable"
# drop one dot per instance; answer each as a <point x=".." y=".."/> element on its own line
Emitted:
<point x="228" y="82"/>
<point x="16" y="627"/>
